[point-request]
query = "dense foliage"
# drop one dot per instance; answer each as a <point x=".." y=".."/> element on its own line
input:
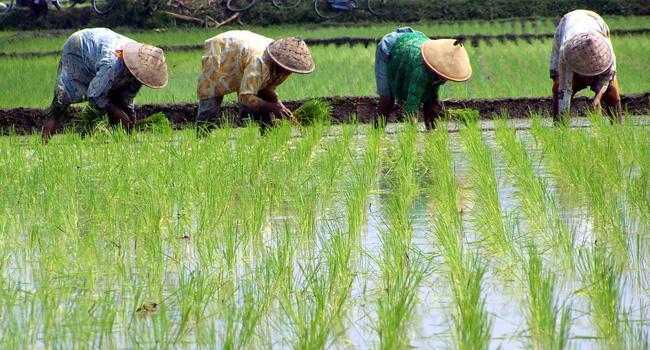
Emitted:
<point x="146" y="13"/>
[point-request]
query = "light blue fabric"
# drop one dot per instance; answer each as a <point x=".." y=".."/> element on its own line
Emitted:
<point x="90" y="69"/>
<point x="382" y="55"/>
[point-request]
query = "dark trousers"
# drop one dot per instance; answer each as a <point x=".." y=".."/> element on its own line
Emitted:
<point x="611" y="101"/>
<point x="210" y="114"/>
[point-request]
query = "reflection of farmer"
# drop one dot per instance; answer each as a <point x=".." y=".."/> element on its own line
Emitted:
<point x="411" y="68"/>
<point x="583" y="57"/>
<point x="106" y="69"/>
<point x="253" y="66"/>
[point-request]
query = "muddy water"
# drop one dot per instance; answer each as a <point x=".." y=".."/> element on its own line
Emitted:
<point x="432" y="321"/>
<point x="505" y="299"/>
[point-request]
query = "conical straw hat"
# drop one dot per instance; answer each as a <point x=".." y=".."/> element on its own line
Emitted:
<point x="589" y="54"/>
<point x="147" y="64"/>
<point x="292" y="54"/>
<point x="447" y="58"/>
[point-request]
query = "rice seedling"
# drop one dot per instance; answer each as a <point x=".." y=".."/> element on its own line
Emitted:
<point x="486" y="213"/>
<point x="575" y="167"/>
<point x="602" y="284"/>
<point x="537" y="205"/>
<point x="316" y="299"/>
<point x="548" y="321"/>
<point x="243" y="240"/>
<point x="363" y="180"/>
<point x="156" y="123"/>
<point x="471" y="323"/>
<point x="625" y="149"/>
<point x="314" y="111"/>
<point x="401" y="267"/>
<point x="303" y="189"/>
<point x="317" y="312"/>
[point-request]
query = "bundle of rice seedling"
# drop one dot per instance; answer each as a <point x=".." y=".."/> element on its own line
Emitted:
<point x="314" y="111"/>
<point x="465" y="115"/>
<point x="157" y="123"/>
<point x="88" y="119"/>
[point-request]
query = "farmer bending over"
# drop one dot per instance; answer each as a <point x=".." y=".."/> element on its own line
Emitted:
<point x="411" y="68"/>
<point x="253" y="66"/>
<point x="107" y="69"/>
<point x="582" y="57"/>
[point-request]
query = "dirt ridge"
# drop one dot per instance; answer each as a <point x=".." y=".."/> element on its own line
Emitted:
<point x="30" y="120"/>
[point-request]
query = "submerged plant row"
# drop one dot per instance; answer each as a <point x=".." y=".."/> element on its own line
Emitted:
<point x="327" y="236"/>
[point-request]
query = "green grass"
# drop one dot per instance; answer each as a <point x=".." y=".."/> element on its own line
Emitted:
<point x="500" y="71"/>
<point x="25" y="42"/>
<point x="312" y="237"/>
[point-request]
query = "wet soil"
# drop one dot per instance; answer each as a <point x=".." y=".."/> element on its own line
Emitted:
<point x="363" y="109"/>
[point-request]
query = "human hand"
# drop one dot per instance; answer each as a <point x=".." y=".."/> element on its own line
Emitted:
<point x="279" y="110"/>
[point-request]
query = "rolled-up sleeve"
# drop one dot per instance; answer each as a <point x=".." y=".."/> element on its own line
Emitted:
<point x="251" y="84"/>
<point x="101" y="84"/>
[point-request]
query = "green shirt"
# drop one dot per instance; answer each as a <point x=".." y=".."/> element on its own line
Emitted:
<point x="411" y="81"/>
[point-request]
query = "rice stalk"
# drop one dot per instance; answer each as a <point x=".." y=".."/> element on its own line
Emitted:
<point x="548" y="321"/>
<point x="486" y="213"/>
<point x="401" y="267"/>
<point x="536" y="201"/>
<point x="471" y="323"/>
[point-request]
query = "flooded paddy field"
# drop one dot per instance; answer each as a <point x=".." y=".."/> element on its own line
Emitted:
<point x="511" y="234"/>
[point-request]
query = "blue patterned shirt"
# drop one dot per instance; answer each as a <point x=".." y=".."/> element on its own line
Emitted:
<point x="91" y="70"/>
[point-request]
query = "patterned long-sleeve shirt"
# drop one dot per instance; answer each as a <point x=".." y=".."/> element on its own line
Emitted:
<point x="234" y="62"/>
<point x="572" y="24"/>
<point x="91" y="69"/>
<point x="411" y="82"/>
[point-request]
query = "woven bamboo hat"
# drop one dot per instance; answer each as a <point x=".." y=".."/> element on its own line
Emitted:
<point x="447" y="58"/>
<point x="147" y="64"/>
<point x="589" y="54"/>
<point x="292" y="54"/>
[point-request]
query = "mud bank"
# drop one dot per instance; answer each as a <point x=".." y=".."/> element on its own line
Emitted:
<point x="26" y="120"/>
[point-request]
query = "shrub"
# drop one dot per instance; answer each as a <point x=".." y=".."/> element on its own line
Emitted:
<point x="146" y="13"/>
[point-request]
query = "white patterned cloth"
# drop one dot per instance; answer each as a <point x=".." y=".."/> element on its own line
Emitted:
<point x="575" y="23"/>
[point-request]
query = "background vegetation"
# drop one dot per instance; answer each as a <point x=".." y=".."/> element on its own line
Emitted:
<point x="500" y="71"/>
<point x="134" y="14"/>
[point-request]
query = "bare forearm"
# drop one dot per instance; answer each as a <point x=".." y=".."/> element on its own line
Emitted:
<point x="261" y="105"/>
<point x="252" y="102"/>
